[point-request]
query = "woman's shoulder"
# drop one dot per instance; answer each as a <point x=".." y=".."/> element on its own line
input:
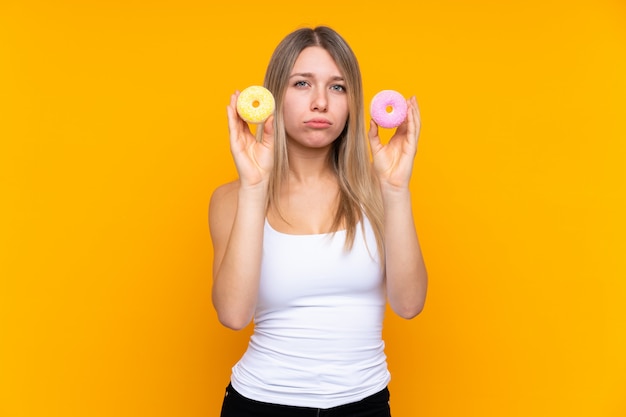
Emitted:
<point x="226" y="190"/>
<point x="224" y="195"/>
<point x="222" y="209"/>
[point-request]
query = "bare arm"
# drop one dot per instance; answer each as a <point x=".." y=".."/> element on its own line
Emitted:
<point x="406" y="276"/>
<point x="236" y="220"/>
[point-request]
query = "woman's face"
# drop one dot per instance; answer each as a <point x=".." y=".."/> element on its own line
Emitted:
<point x="315" y="106"/>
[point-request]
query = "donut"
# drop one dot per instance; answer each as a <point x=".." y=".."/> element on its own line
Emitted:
<point x="388" y="108"/>
<point x="255" y="104"/>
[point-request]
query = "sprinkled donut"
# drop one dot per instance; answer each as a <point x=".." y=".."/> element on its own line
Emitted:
<point x="255" y="104"/>
<point x="388" y="108"/>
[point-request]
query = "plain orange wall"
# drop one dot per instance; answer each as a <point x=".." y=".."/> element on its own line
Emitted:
<point x="113" y="135"/>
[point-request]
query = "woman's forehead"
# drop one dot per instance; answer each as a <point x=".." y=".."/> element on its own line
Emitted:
<point x="315" y="61"/>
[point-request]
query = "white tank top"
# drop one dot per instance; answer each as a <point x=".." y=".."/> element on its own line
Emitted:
<point x="317" y="338"/>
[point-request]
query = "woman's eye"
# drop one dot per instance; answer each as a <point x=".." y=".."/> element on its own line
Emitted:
<point x="300" y="84"/>
<point x="339" y="87"/>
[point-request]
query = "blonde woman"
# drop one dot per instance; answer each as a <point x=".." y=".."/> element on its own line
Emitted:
<point x="314" y="238"/>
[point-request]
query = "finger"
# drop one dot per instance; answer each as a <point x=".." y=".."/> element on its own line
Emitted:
<point x="415" y="113"/>
<point x="232" y="120"/>
<point x="417" y="107"/>
<point x="231" y="110"/>
<point x="403" y="127"/>
<point x="268" y="130"/>
<point x="372" y="134"/>
<point x="237" y="127"/>
<point x="233" y="100"/>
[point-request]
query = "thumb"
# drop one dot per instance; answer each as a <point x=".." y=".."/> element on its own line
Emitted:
<point x="372" y="134"/>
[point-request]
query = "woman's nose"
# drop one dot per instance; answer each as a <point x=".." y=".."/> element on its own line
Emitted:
<point x="320" y="102"/>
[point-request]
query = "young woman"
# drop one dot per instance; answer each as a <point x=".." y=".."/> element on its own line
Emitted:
<point x="313" y="239"/>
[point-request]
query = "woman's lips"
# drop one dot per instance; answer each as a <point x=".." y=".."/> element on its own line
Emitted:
<point x="318" y="123"/>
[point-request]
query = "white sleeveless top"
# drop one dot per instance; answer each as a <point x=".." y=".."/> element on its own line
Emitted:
<point x="317" y="338"/>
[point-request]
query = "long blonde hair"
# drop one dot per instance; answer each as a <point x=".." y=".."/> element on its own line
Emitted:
<point x="359" y="190"/>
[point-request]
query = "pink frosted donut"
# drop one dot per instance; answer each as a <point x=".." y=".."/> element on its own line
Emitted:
<point x="388" y="108"/>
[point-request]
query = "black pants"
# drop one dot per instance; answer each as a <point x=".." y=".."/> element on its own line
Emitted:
<point x="236" y="405"/>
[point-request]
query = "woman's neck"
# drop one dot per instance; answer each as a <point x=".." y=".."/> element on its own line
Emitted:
<point x="310" y="166"/>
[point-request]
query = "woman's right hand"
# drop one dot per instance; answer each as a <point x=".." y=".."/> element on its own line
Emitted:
<point x="254" y="159"/>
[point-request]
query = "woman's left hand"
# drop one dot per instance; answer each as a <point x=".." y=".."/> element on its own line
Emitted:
<point x="393" y="162"/>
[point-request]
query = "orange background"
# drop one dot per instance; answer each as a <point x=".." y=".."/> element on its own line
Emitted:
<point x="113" y="135"/>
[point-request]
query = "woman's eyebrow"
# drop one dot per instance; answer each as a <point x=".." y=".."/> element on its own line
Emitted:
<point x="302" y="74"/>
<point x="311" y="75"/>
